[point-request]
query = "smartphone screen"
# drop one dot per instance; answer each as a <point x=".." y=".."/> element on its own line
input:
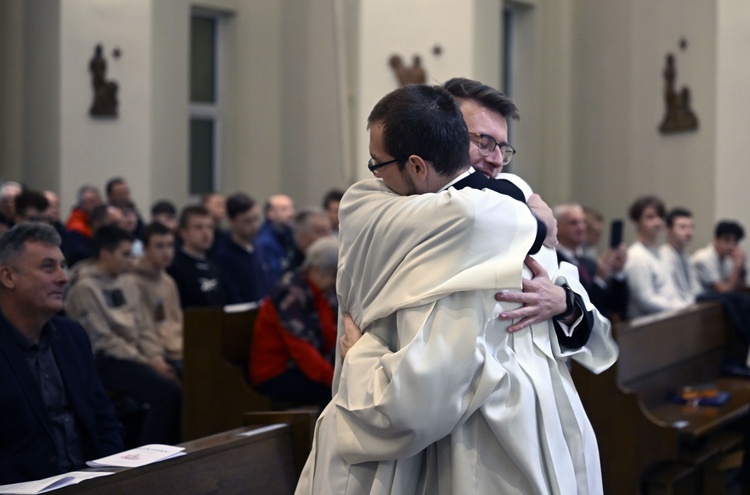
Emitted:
<point x="615" y="233"/>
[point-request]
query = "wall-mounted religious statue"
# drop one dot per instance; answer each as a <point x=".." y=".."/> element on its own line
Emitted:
<point x="408" y="75"/>
<point x="105" y="92"/>
<point x="679" y="116"/>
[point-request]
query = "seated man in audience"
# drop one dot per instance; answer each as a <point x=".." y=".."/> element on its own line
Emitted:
<point x="331" y="203"/>
<point x="650" y="285"/>
<point x="603" y="278"/>
<point x="594" y="228"/>
<point x="216" y="206"/>
<point x="130" y="359"/>
<point x="159" y="292"/>
<point x="165" y="213"/>
<point x="294" y="343"/>
<point x="53" y="215"/>
<point x="309" y="225"/>
<point x="80" y="247"/>
<point x="129" y="223"/>
<point x="118" y="194"/>
<point x="243" y="278"/>
<point x="680" y="229"/>
<point x="721" y="265"/>
<point x="8" y="192"/>
<point x="55" y="413"/>
<point x="31" y="206"/>
<point x="275" y="240"/>
<point x="194" y="272"/>
<point x="80" y="218"/>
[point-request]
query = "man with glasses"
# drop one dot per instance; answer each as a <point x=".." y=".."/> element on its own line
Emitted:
<point x="437" y="396"/>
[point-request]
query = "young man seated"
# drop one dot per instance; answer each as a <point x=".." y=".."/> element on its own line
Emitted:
<point x="291" y="356"/>
<point x="193" y="270"/>
<point x="721" y="265"/>
<point x="159" y="292"/>
<point x="105" y="299"/>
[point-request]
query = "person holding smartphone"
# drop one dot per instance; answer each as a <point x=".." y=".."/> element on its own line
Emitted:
<point x="603" y="278"/>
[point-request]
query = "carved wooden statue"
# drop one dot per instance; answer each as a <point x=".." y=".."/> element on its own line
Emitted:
<point x="679" y="117"/>
<point x="105" y="92"/>
<point x="408" y="75"/>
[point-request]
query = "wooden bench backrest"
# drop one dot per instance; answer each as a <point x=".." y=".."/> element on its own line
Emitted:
<point x="216" y="393"/>
<point x="236" y="335"/>
<point x="656" y="344"/>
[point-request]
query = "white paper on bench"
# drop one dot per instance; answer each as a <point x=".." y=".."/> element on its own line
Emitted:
<point x="51" y="483"/>
<point x="139" y="456"/>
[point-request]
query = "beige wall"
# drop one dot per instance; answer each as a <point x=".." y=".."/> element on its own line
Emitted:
<point x="301" y="78"/>
<point x="617" y="62"/>
<point x="732" y="103"/>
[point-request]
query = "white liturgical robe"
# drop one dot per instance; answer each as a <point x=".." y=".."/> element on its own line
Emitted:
<point x="437" y="397"/>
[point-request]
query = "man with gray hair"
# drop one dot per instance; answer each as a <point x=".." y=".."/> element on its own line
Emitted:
<point x="88" y="199"/>
<point x="291" y="357"/>
<point x="309" y="225"/>
<point x="603" y="278"/>
<point x="55" y="412"/>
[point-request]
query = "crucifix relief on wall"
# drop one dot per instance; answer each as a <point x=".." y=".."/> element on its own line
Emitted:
<point x="104" y="102"/>
<point x="678" y="117"/>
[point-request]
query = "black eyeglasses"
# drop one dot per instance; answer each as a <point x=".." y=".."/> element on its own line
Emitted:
<point x="374" y="166"/>
<point x="487" y="145"/>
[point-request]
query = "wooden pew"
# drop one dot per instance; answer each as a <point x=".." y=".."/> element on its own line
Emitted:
<point x="642" y="435"/>
<point x="226" y="463"/>
<point x="216" y="393"/>
<point x="302" y="424"/>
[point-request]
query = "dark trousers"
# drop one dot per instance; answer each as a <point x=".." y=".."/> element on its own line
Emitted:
<point x="161" y="422"/>
<point x="295" y="387"/>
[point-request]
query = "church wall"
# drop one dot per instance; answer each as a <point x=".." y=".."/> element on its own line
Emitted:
<point x="94" y="149"/>
<point x="40" y="123"/>
<point x="732" y="77"/>
<point x="618" y="60"/>
<point x="11" y="87"/>
<point x="407" y="28"/>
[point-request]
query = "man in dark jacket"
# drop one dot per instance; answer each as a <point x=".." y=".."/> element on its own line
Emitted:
<point x="55" y="412"/>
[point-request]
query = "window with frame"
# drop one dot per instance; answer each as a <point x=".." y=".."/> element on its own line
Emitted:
<point x="205" y="100"/>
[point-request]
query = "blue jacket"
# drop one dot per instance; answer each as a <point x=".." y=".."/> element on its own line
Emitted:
<point x="27" y="448"/>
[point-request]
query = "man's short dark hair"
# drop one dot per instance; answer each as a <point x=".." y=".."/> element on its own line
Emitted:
<point x="152" y="229"/>
<point x="112" y="183"/>
<point x="239" y="203"/>
<point x="30" y="199"/>
<point x="424" y="121"/>
<point x="729" y="227"/>
<point x="191" y="211"/>
<point x="643" y="202"/>
<point x="677" y="212"/>
<point x="486" y="96"/>
<point x="163" y="207"/>
<point x="12" y="241"/>
<point x="109" y="238"/>
<point x="332" y="196"/>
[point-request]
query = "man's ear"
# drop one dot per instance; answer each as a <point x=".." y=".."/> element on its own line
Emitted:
<point x="7" y="277"/>
<point x="418" y="168"/>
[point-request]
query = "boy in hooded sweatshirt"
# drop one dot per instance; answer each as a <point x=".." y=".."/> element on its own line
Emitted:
<point x="158" y="290"/>
<point x="104" y="298"/>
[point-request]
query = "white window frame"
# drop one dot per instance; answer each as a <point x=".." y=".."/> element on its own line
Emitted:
<point x="212" y="111"/>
